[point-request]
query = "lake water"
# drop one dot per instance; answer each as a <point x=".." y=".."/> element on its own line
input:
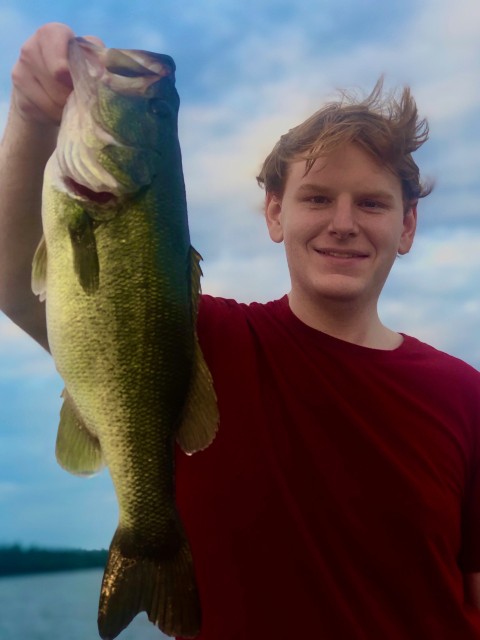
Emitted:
<point x="59" y="605"/>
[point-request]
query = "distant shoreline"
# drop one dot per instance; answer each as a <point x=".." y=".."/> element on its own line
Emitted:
<point x="18" y="560"/>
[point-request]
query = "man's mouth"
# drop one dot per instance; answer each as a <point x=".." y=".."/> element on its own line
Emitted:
<point x="333" y="253"/>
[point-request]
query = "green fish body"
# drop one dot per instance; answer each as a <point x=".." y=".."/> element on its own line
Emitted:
<point x="121" y="283"/>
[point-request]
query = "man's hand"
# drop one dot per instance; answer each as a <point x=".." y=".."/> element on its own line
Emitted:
<point x="41" y="79"/>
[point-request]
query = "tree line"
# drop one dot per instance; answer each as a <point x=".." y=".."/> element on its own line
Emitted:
<point x="15" y="560"/>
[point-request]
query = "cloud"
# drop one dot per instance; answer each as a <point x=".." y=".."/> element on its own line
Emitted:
<point x="15" y="27"/>
<point x="262" y="278"/>
<point x="21" y="356"/>
<point x="433" y="292"/>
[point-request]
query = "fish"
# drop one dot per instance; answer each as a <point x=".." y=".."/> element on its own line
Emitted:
<point x="121" y="284"/>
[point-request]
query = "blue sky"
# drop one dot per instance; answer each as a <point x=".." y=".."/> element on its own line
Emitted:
<point x="246" y="73"/>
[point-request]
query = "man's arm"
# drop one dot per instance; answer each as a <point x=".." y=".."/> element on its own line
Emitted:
<point x="23" y="153"/>
<point x="42" y="83"/>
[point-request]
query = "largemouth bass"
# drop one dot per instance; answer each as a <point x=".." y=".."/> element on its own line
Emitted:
<point x="121" y="283"/>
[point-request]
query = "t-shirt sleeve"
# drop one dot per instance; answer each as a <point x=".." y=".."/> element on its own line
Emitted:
<point x="218" y="321"/>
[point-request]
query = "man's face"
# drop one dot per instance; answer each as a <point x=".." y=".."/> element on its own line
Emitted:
<point x="342" y="225"/>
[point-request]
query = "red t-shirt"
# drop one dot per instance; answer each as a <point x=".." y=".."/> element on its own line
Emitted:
<point x="341" y="496"/>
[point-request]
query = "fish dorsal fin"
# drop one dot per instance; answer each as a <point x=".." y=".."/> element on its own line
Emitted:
<point x="78" y="449"/>
<point x="200" y="416"/>
<point x="85" y="256"/>
<point x="39" y="270"/>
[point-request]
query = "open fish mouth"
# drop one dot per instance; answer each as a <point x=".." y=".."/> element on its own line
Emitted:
<point x="130" y="72"/>
<point x="96" y="197"/>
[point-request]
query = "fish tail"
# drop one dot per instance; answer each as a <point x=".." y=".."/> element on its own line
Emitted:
<point x="165" y="588"/>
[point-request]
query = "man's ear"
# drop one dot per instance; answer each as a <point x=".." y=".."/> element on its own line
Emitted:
<point x="409" y="228"/>
<point x="273" y="210"/>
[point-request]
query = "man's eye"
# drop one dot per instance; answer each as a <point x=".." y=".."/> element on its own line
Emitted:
<point x="372" y="204"/>
<point x="317" y="199"/>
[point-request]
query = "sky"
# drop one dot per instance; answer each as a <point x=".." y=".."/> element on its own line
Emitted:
<point x="247" y="72"/>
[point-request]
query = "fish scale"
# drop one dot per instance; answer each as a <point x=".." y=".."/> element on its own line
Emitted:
<point x="121" y="283"/>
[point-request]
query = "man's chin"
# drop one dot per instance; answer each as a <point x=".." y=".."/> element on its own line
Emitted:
<point x="340" y="289"/>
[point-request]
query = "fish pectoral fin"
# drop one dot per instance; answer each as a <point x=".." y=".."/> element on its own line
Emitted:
<point x="85" y="256"/>
<point x="39" y="270"/>
<point x="78" y="450"/>
<point x="200" y="415"/>
<point x="162" y="584"/>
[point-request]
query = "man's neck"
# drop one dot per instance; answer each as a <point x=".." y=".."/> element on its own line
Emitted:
<point x="346" y="321"/>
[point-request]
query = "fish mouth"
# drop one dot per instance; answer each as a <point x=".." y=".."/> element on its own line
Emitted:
<point x="101" y="155"/>
<point x="129" y="72"/>
<point x="96" y="197"/>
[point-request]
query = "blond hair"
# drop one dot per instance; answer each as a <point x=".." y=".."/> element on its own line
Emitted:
<point x="387" y="128"/>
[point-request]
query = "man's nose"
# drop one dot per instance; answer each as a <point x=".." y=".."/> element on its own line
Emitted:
<point x="343" y="222"/>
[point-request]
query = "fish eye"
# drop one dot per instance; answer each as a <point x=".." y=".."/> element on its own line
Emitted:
<point x="160" y="107"/>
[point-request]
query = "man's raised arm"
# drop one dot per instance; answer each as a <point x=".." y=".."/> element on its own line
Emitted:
<point x="41" y="85"/>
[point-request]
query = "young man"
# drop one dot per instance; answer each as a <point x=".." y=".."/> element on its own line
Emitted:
<point x="340" y="498"/>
